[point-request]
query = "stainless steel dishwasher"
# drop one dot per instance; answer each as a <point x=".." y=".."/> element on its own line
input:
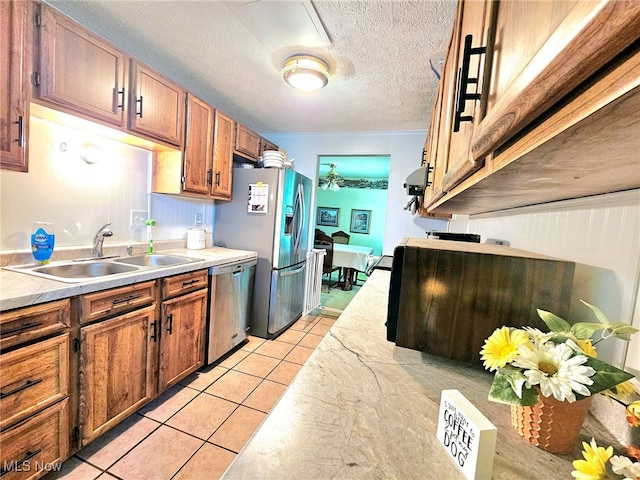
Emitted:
<point x="230" y="298"/>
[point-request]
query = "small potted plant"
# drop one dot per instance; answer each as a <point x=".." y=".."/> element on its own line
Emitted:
<point x="548" y="377"/>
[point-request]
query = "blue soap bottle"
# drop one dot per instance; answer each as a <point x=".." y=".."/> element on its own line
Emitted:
<point x="42" y="242"/>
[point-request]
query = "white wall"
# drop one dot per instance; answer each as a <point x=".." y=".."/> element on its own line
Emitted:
<point x="601" y="234"/>
<point x="78" y="198"/>
<point x="405" y="150"/>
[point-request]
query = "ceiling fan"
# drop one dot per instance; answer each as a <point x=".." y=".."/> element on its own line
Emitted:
<point x="331" y="178"/>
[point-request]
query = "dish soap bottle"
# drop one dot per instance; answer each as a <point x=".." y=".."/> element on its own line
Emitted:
<point x="150" y="224"/>
<point x="42" y="242"/>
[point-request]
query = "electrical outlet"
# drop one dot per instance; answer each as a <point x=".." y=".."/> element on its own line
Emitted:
<point x="198" y="219"/>
<point x="138" y="218"/>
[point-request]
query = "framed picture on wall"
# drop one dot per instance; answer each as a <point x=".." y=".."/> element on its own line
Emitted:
<point x="328" y="216"/>
<point x="360" y="221"/>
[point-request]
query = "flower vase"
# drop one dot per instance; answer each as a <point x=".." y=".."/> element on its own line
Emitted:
<point x="551" y="424"/>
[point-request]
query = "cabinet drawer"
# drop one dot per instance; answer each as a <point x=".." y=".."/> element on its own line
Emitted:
<point x="24" y="324"/>
<point x="32" y="378"/>
<point x="36" y="446"/>
<point x="183" y="283"/>
<point x="115" y="301"/>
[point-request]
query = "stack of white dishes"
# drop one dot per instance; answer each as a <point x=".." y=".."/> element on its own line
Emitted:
<point x="273" y="159"/>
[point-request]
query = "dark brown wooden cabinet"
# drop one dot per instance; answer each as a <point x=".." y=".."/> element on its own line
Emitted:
<point x="222" y="177"/>
<point x="447" y="297"/>
<point x="247" y="143"/>
<point x="198" y="147"/>
<point x="15" y="51"/>
<point x="551" y="107"/>
<point x="156" y="105"/>
<point x="116" y="370"/>
<point x="182" y="326"/>
<point x="80" y="71"/>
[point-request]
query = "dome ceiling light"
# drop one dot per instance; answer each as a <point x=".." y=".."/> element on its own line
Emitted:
<point x="305" y="72"/>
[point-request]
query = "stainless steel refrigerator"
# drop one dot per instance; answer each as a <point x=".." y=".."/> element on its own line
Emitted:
<point x="269" y="213"/>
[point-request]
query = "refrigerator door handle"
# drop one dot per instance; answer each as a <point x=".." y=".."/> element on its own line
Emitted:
<point x="292" y="272"/>
<point x="298" y="223"/>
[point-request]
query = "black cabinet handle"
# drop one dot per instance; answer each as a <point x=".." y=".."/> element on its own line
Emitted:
<point x="118" y="301"/>
<point x="139" y="102"/>
<point x="170" y="327"/>
<point x="209" y="175"/>
<point x="217" y="179"/>
<point x="27" y="384"/>
<point x="16" y="464"/>
<point x="24" y="326"/>
<point x="20" y="123"/>
<point x="121" y="95"/>
<point x="189" y="283"/>
<point x="464" y="81"/>
<point x="154" y="337"/>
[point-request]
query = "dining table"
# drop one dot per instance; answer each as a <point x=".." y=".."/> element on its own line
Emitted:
<point x="353" y="259"/>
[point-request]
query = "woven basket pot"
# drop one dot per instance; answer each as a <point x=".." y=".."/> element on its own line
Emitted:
<point x="551" y="424"/>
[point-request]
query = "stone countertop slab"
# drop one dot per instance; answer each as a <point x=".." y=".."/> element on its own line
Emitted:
<point x="21" y="289"/>
<point x="363" y="408"/>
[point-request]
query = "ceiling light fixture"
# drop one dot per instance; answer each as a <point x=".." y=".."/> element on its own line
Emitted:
<point x="305" y="72"/>
<point x="331" y="179"/>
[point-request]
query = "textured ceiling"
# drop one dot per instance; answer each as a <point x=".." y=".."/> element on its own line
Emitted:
<point x="379" y="59"/>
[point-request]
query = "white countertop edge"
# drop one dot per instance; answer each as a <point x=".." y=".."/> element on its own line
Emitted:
<point x="21" y="289"/>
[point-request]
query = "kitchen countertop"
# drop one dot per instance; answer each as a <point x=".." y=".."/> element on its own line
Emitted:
<point x="363" y="408"/>
<point x="21" y="289"/>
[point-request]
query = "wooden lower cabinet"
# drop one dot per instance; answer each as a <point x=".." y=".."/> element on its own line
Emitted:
<point x="116" y="370"/>
<point x="36" y="446"/>
<point x="182" y="337"/>
<point x="33" y="377"/>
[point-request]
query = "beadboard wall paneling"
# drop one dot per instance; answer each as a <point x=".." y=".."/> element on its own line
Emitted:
<point x="601" y="234"/>
<point x="78" y="197"/>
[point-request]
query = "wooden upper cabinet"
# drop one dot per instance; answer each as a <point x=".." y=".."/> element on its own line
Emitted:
<point x="466" y="68"/>
<point x="79" y="71"/>
<point x="267" y="145"/>
<point x="247" y="143"/>
<point x="222" y="157"/>
<point x="198" y="147"/>
<point x="15" y="48"/>
<point x="542" y="51"/>
<point x="157" y="105"/>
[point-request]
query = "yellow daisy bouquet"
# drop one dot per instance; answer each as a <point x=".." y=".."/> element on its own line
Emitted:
<point x="561" y="363"/>
<point x="601" y="464"/>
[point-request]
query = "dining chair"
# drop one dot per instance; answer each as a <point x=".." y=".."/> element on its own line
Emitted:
<point x="326" y="242"/>
<point x="340" y="237"/>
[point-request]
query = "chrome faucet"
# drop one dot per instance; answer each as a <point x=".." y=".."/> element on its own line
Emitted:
<point x="99" y="238"/>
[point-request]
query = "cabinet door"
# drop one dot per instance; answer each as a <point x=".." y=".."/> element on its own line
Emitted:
<point x="247" y="143"/>
<point x="267" y="145"/>
<point x="35" y="446"/>
<point x="471" y="21"/>
<point x="181" y="337"/>
<point x="14" y="78"/>
<point x="33" y="377"/>
<point x="222" y="157"/>
<point x="116" y="370"/>
<point x="79" y="70"/>
<point x="198" y="147"/>
<point x="566" y="43"/>
<point x="157" y="106"/>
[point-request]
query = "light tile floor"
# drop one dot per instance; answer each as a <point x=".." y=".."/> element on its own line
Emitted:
<point x="195" y="429"/>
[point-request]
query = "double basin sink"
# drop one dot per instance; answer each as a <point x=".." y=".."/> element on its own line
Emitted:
<point x="88" y="269"/>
